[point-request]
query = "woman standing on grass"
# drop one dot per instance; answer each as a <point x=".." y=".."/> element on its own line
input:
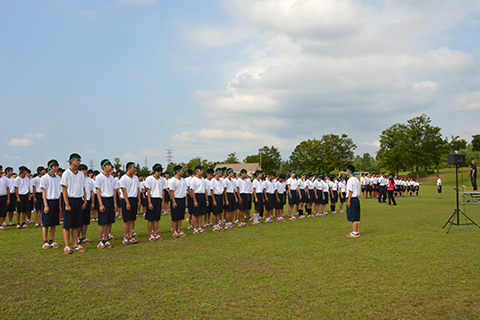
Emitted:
<point x="390" y="187"/>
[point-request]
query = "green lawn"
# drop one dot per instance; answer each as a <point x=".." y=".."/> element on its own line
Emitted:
<point x="404" y="266"/>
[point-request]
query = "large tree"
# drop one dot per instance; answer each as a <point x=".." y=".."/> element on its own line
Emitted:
<point x="232" y="158"/>
<point x="476" y="142"/>
<point x="269" y="158"/>
<point x="329" y="153"/>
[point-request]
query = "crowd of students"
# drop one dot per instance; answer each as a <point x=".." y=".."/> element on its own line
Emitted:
<point x="223" y="200"/>
<point x="402" y="186"/>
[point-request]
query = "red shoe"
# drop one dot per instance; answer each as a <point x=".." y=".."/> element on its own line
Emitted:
<point x="79" y="248"/>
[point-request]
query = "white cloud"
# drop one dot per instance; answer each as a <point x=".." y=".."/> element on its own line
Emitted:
<point x="144" y="2"/>
<point x="36" y="135"/>
<point x="11" y="157"/>
<point x="426" y="87"/>
<point x="375" y="143"/>
<point x="23" y="142"/>
<point x="468" y="102"/>
<point x="473" y="23"/>
<point x="212" y="36"/>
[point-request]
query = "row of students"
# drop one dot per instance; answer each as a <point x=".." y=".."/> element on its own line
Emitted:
<point x="370" y="186"/>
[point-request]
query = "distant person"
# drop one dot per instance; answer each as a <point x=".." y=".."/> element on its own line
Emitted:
<point x="473" y="174"/>
<point x="381" y="188"/>
<point x="439" y="187"/>
<point x="353" y="204"/>
<point x="390" y="188"/>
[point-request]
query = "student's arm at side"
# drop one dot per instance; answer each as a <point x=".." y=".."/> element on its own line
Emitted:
<point x="18" y="196"/>
<point x="100" y="203"/>
<point x="213" y="198"/>
<point x="8" y="196"/>
<point x="84" y="205"/>
<point x="192" y="194"/>
<point x="125" y="197"/>
<point x="255" y="195"/>
<point x="34" y="192"/>
<point x="299" y="193"/>
<point x="172" y="198"/>
<point x="65" y="199"/>
<point x="92" y="197"/>
<point x="46" y="209"/>
<point x="206" y="197"/>
<point x="149" y="197"/>
<point x="225" y="195"/>
<point x="349" y="198"/>
<point x="139" y="202"/>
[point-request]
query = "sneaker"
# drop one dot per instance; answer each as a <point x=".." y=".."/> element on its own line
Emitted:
<point x="353" y="235"/>
<point x="67" y="250"/>
<point x="2" y="228"/>
<point x="18" y="226"/>
<point x="46" y="245"/>
<point x="301" y="217"/>
<point x="86" y="240"/>
<point x="196" y="232"/>
<point x="125" y="241"/>
<point x="100" y="245"/>
<point x="175" y="235"/>
<point x="134" y="234"/>
<point x="159" y="237"/>
<point x="93" y="219"/>
<point x="216" y="229"/>
<point x="257" y="223"/>
<point x="236" y="220"/>
<point x="203" y="231"/>
<point x="182" y="234"/>
<point x="110" y="237"/>
<point x="133" y="241"/>
<point x="152" y="238"/>
<point x="54" y="245"/>
<point x="79" y="248"/>
<point x="24" y="226"/>
<point x="190" y="227"/>
<point x="108" y="244"/>
<point x="29" y="221"/>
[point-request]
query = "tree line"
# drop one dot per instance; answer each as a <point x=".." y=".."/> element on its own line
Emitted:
<point x="414" y="146"/>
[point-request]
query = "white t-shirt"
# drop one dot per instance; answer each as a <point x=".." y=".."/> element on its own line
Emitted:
<point x="242" y="185"/>
<point x="280" y="186"/>
<point x="258" y="186"/>
<point x="4" y="184"/>
<point x="131" y="186"/>
<point x="293" y="183"/>
<point x="309" y="184"/>
<point x="341" y="186"/>
<point x="11" y="184"/>
<point x="249" y="186"/>
<point x="353" y="185"/>
<point x="36" y="183"/>
<point x="52" y="186"/>
<point x="179" y="187"/>
<point x="217" y="187"/>
<point x="89" y="187"/>
<point x="197" y="185"/>
<point x="325" y="186"/>
<point x="333" y="185"/>
<point x="230" y="185"/>
<point x="155" y="186"/>
<point x="106" y="184"/>
<point x="75" y="183"/>
<point x="269" y="187"/>
<point x="439" y="182"/>
<point x="23" y="185"/>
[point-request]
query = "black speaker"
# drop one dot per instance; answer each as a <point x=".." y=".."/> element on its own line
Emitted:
<point x="456" y="158"/>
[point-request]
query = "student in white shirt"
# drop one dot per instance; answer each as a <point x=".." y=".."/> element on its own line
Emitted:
<point x="243" y="193"/>
<point x="51" y="203"/>
<point x="208" y="187"/>
<point x="37" y="195"/>
<point x="302" y="195"/>
<point x="74" y="201"/>
<point x="353" y="204"/>
<point x="310" y="192"/>
<point x="189" y="200"/>
<point x="333" y="186"/>
<point x="232" y="199"/>
<point x="219" y="195"/>
<point x="107" y="190"/>
<point x="439" y="186"/>
<point x="342" y="192"/>
<point x="280" y="192"/>
<point x="89" y="187"/>
<point x="178" y="193"/>
<point x="293" y="190"/>
<point x="4" y="198"/>
<point x="22" y="193"/>
<point x="13" y="199"/>
<point x="155" y="188"/>
<point x="199" y="195"/>
<point x="166" y="200"/>
<point x="130" y="202"/>
<point x="271" y="198"/>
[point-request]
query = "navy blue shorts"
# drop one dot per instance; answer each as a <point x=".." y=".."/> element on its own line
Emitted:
<point x="304" y="196"/>
<point x="86" y="213"/>
<point x="325" y="198"/>
<point x="74" y="218"/>
<point x="209" y="207"/>
<point x="272" y="199"/>
<point x="334" y="199"/>
<point x="108" y="216"/>
<point x="13" y="200"/>
<point x="144" y="200"/>
<point x="259" y="204"/>
<point x="342" y="200"/>
<point x="178" y="213"/>
<point x="219" y="207"/>
<point x="279" y="205"/>
<point x="292" y="200"/>
<point x="52" y="217"/>
<point x="353" y="213"/>
<point x="156" y="213"/>
<point x="232" y="204"/>
<point x="311" y="192"/>
<point x="439" y="189"/>
<point x="201" y="208"/>
<point x="319" y="198"/>
<point x="244" y="204"/>
<point x="167" y="196"/>
<point x="3" y="206"/>
<point x="23" y="205"/>
<point x="129" y="215"/>
<point x="39" y="203"/>
<point x="249" y="202"/>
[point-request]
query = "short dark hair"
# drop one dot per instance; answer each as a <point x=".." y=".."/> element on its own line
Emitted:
<point x="74" y="156"/>
<point x="351" y="167"/>
<point x="21" y="169"/>
<point x="210" y="171"/>
<point x="104" y="162"/>
<point x="52" y="162"/>
<point x="8" y="169"/>
<point x="40" y="169"/>
<point x="189" y="172"/>
<point x="157" y="167"/>
<point x="129" y="164"/>
<point x="82" y="167"/>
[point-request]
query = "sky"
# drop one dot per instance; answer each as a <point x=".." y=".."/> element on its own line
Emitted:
<point x="133" y="78"/>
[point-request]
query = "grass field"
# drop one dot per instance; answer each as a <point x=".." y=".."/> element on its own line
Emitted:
<point x="404" y="266"/>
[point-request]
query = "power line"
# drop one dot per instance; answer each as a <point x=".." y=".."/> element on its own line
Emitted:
<point x="91" y="164"/>
<point x="169" y="156"/>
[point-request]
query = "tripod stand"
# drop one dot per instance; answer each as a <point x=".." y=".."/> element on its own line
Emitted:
<point x="457" y="211"/>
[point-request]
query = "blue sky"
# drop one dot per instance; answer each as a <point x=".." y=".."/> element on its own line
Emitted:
<point x="206" y="78"/>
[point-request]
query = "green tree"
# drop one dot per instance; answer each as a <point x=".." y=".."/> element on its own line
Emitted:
<point x="456" y="143"/>
<point x="476" y="143"/>
<point x="307" y="155"/>
<point x="270" y="159"/>
<point x="232" y="158"/>
<point x="116" y="164"/>
<point x="393" y="148"/>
